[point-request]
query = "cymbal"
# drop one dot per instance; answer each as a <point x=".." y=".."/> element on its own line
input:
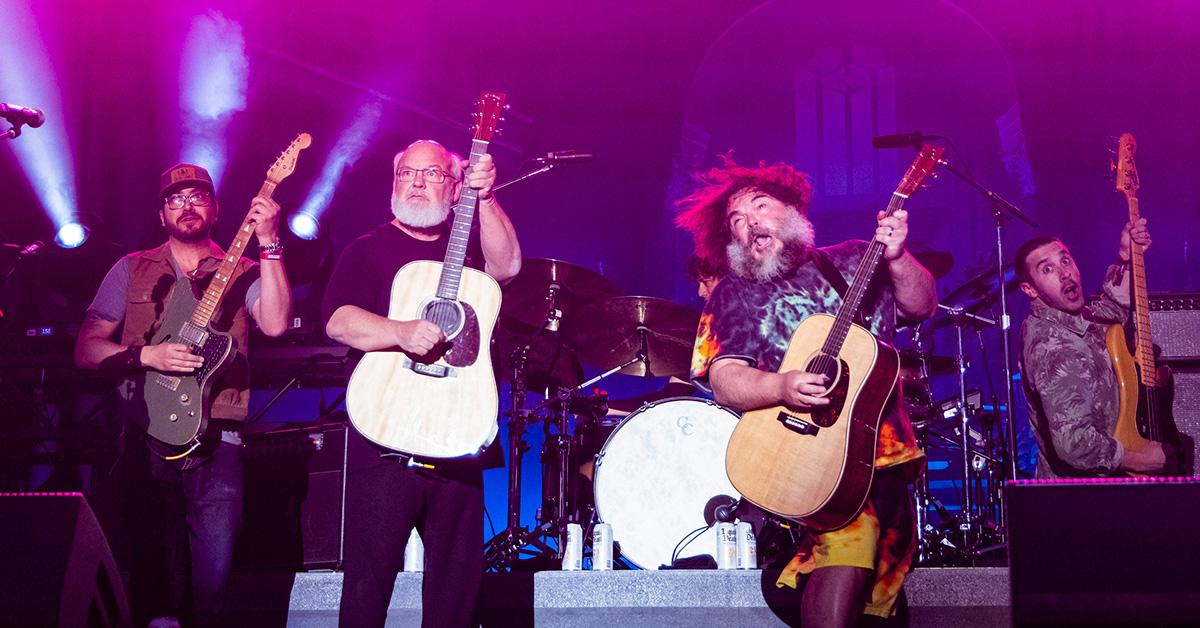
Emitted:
<point x="550" y="363"/>
<point x="980" y="291"/>
<point x="938" y="263"/>
<point x="609" y="333"/>
<point x="911" y="362"/>
<point x="527" y="296"/>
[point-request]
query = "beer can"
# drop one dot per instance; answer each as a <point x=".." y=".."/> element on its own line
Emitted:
<point x="414" y="552"/>
<point x="726" y="546"/>
<point x="573" y="553"/>
<point x="747" y="546"/>
<point x="602" y="541"/>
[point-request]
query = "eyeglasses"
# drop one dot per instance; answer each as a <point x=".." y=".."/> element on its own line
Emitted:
<point x="199" y="198"/>
<point x="432" y="175"/>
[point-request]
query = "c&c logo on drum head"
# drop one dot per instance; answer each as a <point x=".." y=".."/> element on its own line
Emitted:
<point x="686" y="426"/>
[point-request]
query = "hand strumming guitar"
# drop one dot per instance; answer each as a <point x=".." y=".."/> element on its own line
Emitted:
<point x="417" y="337"/>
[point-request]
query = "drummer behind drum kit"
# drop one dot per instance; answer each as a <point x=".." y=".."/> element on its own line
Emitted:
<point x="653" y="474"/>
<point x="657" y="475"/>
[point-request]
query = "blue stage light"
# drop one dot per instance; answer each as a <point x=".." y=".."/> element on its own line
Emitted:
<point x="28" y="77"/>
<point x="71" y="235"/>
<point x="348" y="149"/>
<point x="304" y="225"/>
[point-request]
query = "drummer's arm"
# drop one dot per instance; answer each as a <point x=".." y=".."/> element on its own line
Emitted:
<point x="737" y="384"/>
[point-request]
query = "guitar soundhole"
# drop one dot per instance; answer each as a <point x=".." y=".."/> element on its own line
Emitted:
<point x="826" y="365"/>
<point x="445" y="314"/>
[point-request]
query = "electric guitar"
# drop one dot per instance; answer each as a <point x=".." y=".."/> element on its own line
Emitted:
<point x="816" y="466"/>
<point x="1146" y="390"/>
<point x="444" y="404"/>
<point x="178" y="404"/>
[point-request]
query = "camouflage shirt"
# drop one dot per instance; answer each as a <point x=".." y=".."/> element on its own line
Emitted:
<point x="753" y="321"/>
<point x="1070" y="388"/>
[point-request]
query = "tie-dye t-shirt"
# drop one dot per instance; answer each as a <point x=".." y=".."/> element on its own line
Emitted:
<point x="753" y="321"/>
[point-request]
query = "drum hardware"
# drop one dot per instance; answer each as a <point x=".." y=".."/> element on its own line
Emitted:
<point x="630" y="334"/>
<point x="938" y="263"/>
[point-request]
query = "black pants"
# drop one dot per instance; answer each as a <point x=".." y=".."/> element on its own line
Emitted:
<point x="385" y="500"/>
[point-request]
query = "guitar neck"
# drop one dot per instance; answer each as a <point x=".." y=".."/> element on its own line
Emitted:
<point x="1144" y="345"/>
<point x="859" y="286"/>
<point x="460" y="231"/>
<point x="207" y="307"/>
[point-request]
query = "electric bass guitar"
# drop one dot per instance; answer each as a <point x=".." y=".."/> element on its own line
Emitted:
<point x="178" y="404"/>
<point x="443" y="404"/>
<point x="1146" y="390"/>
<point x="816" y="466"/>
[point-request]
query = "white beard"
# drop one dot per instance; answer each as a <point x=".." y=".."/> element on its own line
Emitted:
<point x="419" y="216"/>
<point x="796" y="234"/>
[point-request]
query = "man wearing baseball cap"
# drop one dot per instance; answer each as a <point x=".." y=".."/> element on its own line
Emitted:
<point x="183" y="515"/>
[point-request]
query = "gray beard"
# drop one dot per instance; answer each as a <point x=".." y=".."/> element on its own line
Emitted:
<point x="419" y="216"/>
<point x="796" y="234"/>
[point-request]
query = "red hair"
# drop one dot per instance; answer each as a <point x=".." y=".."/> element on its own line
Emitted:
<point x="702" y="212"/>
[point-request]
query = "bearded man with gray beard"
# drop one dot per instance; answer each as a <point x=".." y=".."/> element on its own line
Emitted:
<point x="754" y="220"/>
<point x="388" y="495"/>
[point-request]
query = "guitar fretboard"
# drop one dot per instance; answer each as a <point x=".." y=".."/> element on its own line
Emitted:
<point x="1144" y="345"/>
<point x="859" y="286"/>
<point x="207" y="307"/>
<point x="460" y="231"/>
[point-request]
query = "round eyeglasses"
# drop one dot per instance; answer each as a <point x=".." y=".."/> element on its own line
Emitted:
<point x="199" y="198"/>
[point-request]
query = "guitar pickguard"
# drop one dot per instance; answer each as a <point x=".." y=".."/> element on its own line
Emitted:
<point x="464" y="348"/>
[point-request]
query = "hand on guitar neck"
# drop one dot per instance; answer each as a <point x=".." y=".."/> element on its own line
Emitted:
<point x="1135" y="233"/>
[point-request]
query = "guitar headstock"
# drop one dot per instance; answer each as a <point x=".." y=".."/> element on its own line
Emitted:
<point x="488" y="116"/>
<point x="926" y="160"/>
<point x="1127" y="175"/>
<point x="285" y="164"/>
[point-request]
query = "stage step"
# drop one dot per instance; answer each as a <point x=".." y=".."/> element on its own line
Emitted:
<point x="937" y="598"/>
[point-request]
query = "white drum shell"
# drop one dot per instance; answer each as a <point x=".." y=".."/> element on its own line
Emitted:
<point x="656" y="473"/>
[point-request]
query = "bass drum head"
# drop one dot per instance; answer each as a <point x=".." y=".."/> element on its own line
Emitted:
<point x="656" y="474"/>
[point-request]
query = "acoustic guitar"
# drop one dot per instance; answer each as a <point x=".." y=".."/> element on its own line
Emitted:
<point x="816" y="466"/>
<point x="444" y="404"/>
<point x="178" y="404"/>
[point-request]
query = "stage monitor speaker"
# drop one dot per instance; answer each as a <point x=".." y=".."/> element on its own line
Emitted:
<point x="1106" y="552"/>
<point x="295" y="485"/>
<point x="1175" y="325"/>
<point x="55" y="565"/>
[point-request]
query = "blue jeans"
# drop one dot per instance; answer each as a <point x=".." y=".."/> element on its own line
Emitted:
<point x="182" y="528"/>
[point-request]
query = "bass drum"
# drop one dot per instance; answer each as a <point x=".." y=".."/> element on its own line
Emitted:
<point x="657" y="472"/>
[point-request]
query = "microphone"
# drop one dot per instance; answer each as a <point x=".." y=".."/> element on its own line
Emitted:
<point x="18" y="115"/>
<point x="720" y="508"/>
<point x="33" y="249"/>
<point x="556" y="156"/>
<point x="903" y="140"/>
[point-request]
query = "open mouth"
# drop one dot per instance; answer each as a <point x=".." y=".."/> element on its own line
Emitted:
<point x="761" y="241"/>
<point x="1071" y="291"/>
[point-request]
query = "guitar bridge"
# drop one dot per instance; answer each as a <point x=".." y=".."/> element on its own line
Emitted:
<point x="798" y="425"/>
<point x="430" y="370"/>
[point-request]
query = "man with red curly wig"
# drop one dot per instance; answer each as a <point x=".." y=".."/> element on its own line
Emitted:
<point x="753" y="221"/>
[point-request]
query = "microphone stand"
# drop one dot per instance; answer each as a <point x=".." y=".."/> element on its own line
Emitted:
<point x="1000" y="208"/>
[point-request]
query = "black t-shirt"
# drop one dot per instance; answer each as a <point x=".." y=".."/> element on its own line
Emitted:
<point x="364" y="273"/>
<point x="363" y="277"/>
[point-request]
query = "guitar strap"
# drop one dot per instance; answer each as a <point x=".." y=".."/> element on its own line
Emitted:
<point x="835" y="279"/>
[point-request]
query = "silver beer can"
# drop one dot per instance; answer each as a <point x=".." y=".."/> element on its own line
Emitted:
<point x="414" y="553"/>
<point x="573" y="553"/>
<point x="747" y="546"/>
<point x="726" y="546"/>
<point x="602" y="555"/>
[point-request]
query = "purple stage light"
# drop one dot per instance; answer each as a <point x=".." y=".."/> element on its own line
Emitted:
<point x="305" y="223"/>
<point x="212" y="71"/>
<point x="45" y="154"/>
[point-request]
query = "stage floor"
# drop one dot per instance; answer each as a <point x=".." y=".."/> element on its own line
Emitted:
<point x="977" y="597"/>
